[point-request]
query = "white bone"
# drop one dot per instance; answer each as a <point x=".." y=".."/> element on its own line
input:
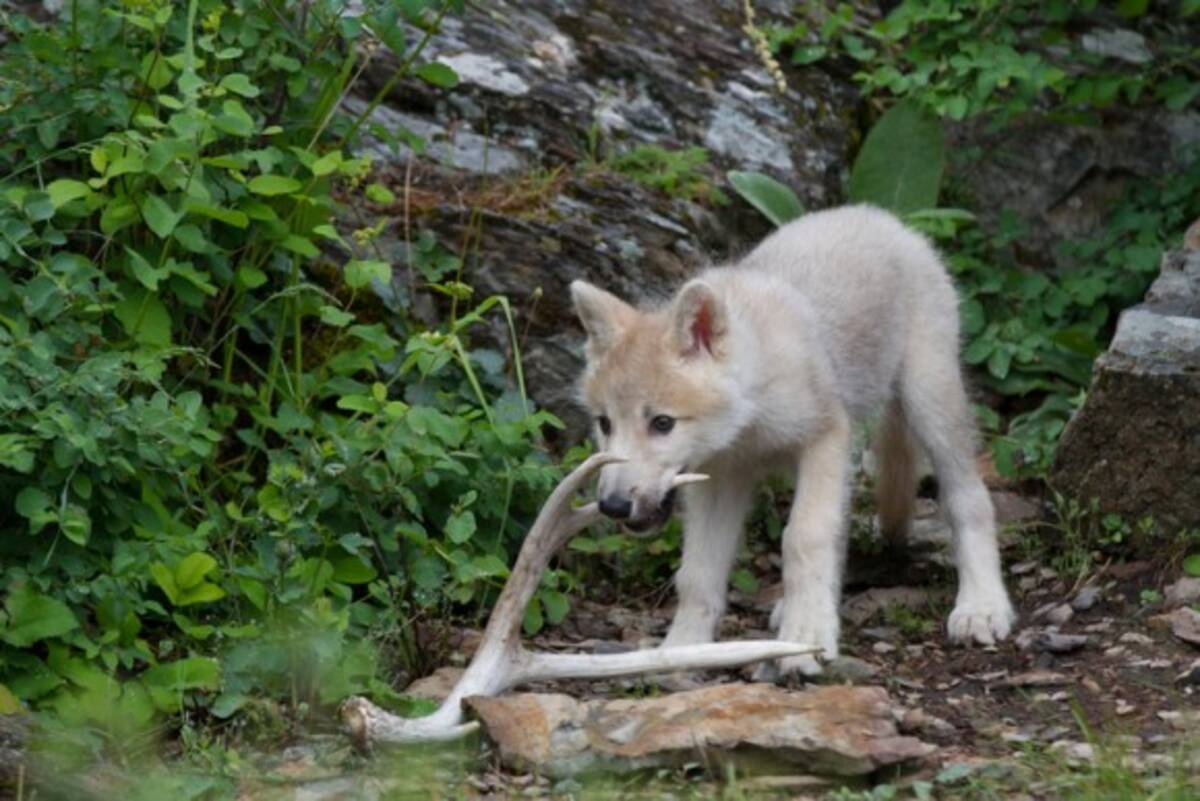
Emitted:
<point x="687" y="478"/>
<point x="501" y="663"/>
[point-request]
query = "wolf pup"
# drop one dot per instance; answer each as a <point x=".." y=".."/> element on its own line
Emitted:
<point x="765" y="365"/>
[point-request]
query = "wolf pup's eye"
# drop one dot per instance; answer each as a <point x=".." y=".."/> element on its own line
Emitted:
<point x="605" y="425"/>
<point x="662" y="424"/>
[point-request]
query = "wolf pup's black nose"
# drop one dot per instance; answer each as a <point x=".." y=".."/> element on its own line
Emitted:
<point x="616" y="507"/>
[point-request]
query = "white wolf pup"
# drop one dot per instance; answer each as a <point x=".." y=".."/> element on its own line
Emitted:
<point x="766" y="365"/>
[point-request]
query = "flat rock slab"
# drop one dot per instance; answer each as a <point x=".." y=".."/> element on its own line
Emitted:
<point x="827" y="731"/>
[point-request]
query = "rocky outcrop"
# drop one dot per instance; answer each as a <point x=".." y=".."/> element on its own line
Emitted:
<point x="828" y="731"/>
<point x="1135" y="444"/>
<point x="517" y="166"/>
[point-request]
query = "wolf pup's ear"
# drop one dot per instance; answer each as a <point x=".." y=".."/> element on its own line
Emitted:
<point x="698" y="320"/>
<point x="602" y="314"/>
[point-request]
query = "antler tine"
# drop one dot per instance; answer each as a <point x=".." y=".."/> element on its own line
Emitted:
<point x="687" y="478"/>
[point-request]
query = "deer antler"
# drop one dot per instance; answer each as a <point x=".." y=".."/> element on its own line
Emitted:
<point x="501" y="662"/>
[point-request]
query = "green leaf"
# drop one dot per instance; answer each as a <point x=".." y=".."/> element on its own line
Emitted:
<point x="1132" y="8"/>
<point x="326" y="164"/>
<point x="64" y="190"/>
<point x="775" y="200"/>
<point x="75" y="524"/>
<point x="350" y="569"/>
<point x="145" y="318"/>
<point x="38" y="206"/>
<point x="234" y="120"/>
<point x="360" y="273"/>
<point x="251" y="277"/>
<point x="899" y="167"/>
<point x="331" y="315"/>
<point x="556" y="606"/>
<point x="31" y="501"/>
<point x="33" y="617"/>
<point x="147" y="275"/>
<point x="202" y="593"/>
<point x="159" y="215"/>
<point x="533" y="621"/>
<point x="271" y="185"/>
<point x="228" y="216"/>
<point x="460" y="527"/>
<point x="300" y="245"/>
<point x="164" y="577"/>
<point x="240" y="84"/>
<point x="192" y="570"/>
<point x="1191" y="565"/>
<point x="440" y="75"/>
<point x="168" y="683"/>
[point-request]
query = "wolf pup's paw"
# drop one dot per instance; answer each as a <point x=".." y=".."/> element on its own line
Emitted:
<point x="981" y="621"/>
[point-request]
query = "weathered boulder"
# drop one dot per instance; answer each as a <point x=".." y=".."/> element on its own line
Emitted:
<point x="828" y="731"/>
<point x="517" y="169"/>
<point x="1135" y="444"/>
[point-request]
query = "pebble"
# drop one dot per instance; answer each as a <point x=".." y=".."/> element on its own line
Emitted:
<point x="1086" y="598"/>
<point x="1021" y="568"/>
<point x="1056" y="643"/>
<point x="1074" y="750"/>
<point x="1135" y="638"/>
<point x="883" y="647"/>
<point x="1124" y="707"/>
<point x="1191" y="675"/>
<point x="1115" y="651"/>
<point x="851" y="669"/>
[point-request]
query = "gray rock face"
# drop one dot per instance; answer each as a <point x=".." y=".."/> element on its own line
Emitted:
<point x="1061" y="180"/>
<point x="828" y="731"/>
<point x="1135" y="444"/>
<point x="551" y="87"/>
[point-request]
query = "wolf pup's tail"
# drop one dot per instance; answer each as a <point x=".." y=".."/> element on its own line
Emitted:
<point x="896" y="479"/>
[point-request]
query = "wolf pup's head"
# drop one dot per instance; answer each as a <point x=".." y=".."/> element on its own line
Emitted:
<point x="660" y="393"/>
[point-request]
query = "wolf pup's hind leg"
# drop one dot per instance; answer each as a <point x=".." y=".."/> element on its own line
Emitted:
<point x="935" y="405"/>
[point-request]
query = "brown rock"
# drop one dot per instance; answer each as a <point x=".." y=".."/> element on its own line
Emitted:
<point x="1183" y="592"/>
<point x="437" y="685"/>
<point x="829" y="731"/>
<point x="1185" y="624"/>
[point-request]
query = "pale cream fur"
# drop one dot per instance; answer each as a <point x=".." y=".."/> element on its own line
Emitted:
<point x="767" y="364"/>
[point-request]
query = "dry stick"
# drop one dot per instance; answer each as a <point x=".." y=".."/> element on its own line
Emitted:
<point x="501" y="662"/>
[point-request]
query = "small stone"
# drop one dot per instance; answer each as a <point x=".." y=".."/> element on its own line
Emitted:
<point x="1027" y="583"/>
<point x="1124" y="707"/>
<point x="1086" y="598"/>
<point x="1191" y="675"/>
<point x="1115" y="651"/>
<point x="1021" y="568"/>
<point x="1182" y="593"/>
<point x="918" y="721"/>
<point x="1098" y="626"/>
<point x="1074" y="750"/>
<point x="1090" y="684"/>
<point x="1185" y="624"/>
<point x="850" y="669"/>
<point x="1037" y="678"/>
<point x="1048" y="573"/>
<point x="1026" y="638"/>
<point x="883" y="647"/>
<point x="1060" y="614"/>
<point x="1056" y="643"/>
<point x="1135" y="638"/>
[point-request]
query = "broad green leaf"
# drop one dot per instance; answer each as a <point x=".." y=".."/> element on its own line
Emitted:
<point x="234" y="119"/>
<point x="76" y="525"/>
<point x="556" y="606"/>
<point x="350" y="569"/>
<point x="33" y="617"/>
<point x="326" y="164"/>
<point x="533" y="621"/>
<point x="775" y="200"/>
<point x="331" y="315"/>
<point x="228" y="216"/>
<point x="360" y="273"/>
<point x="159" y="215"/>
<point x="147" y="275"/>
<point x="168" y="683"/>
<point x="164" y="577"/>
<point x="203" y="593"/>
<point x="438" y="74"/>
<point x="9" y="705"/>
<point x="192" y="569"/>
<point x="300" y="245"/>
<point x="460" y="527"/>
<point x="899" y="167"/>
<point x="145" y="318"/>
<point x="31" y="501"/>
<point x="38" y="206"/>
<point x="239" y="83"/>
<point x="1191" y="565"/>
<point x="251" y="277"/>
<point x="271" y="185"/>
<point x="64" y="190"/>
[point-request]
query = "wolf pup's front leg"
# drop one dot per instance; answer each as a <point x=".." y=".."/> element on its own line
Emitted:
<point x="814" y="545"/>
<point x="714" y="513"/>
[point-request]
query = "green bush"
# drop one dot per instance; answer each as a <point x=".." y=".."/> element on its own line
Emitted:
<point x="218" y="424"/>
